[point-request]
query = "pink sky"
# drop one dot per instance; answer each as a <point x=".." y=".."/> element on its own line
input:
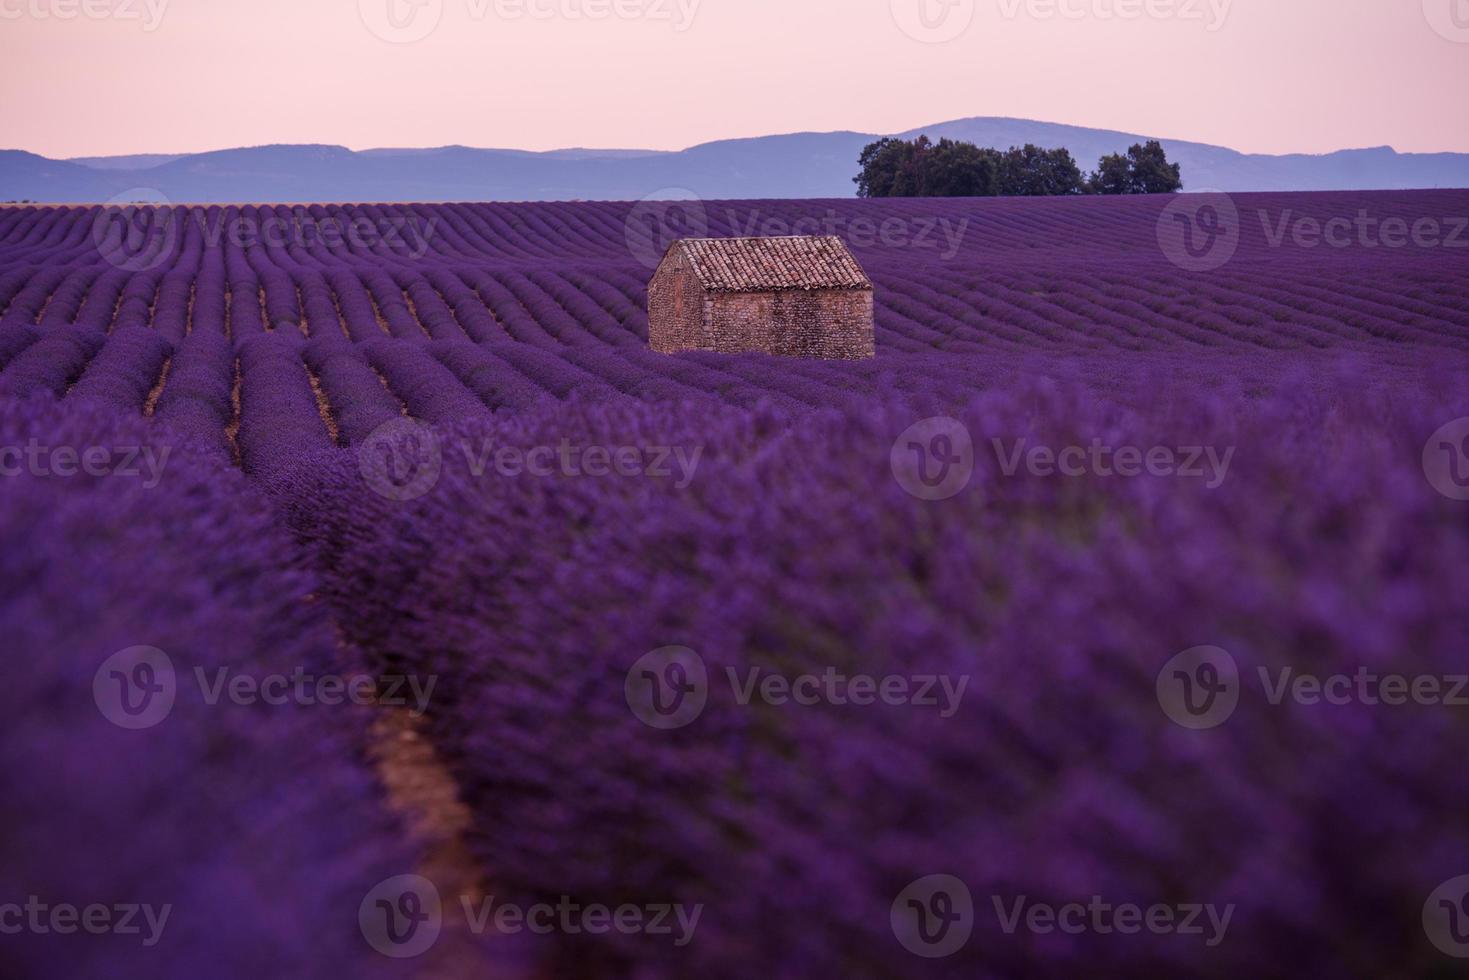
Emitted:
<point x="84" y="77"/>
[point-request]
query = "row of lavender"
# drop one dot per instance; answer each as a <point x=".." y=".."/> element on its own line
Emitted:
<point x="789" y="547"/>
<point x="1414" y="224"/>
<point x="1044" y="770"/>
<point x="158" y="822"/>
<point x="918" y="308"/>
<point x="1011" y="274"/>
<point x="789" y="539"/>
<point x="266" y="398"/>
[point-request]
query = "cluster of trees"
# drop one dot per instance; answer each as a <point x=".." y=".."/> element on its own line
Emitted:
<point x="951" y="168"/>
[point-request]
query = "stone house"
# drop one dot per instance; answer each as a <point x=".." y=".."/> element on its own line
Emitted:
<point x="796" y="297"/>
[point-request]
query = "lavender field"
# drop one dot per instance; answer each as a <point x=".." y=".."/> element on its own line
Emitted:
<point x="367" y="578"/>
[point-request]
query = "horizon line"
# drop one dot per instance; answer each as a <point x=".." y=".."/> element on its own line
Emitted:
<point x="733" y="139"/>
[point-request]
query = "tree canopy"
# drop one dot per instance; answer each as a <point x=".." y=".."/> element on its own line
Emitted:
<point x="892" y="167"/>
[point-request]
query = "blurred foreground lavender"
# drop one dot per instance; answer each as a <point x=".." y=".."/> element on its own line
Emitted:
<point x="811" y="520"/>
<point x="1059" y="777"/>
<point x="251" y="831"/>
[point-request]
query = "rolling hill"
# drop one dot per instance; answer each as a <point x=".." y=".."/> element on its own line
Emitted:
<point x="797" y="165"/>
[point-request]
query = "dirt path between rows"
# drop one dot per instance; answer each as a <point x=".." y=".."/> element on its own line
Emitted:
<point x="422" y="792"/>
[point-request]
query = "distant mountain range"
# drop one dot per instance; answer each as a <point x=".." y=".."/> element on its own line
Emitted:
<point x="799" y="165"/>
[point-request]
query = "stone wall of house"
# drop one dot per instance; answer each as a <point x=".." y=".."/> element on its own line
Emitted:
<point x="829" y="324"/>
<point x="835" y="324"/>
<point x="676" y="308"/>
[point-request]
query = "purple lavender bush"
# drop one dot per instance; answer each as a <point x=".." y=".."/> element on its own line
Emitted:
<point x="1106" y="732"/>
<point x="1057" y="776"/>
<point x="250" y="831"/>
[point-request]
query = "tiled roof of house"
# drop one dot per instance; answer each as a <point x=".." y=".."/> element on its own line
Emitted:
<point x="752" y="265"/>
